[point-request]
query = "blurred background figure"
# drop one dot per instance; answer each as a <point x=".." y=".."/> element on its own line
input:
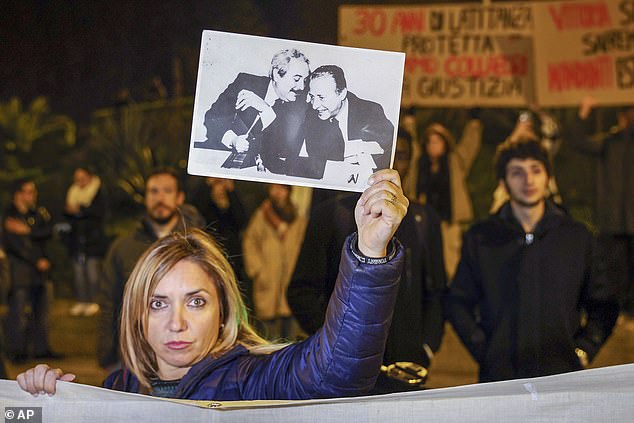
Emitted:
<point x="417" y="325"/>
<point x="535" y="125"/>
<point x="527" y="300"/>
<point x="87" y="243"/>
<point x="156" y="90"/>
<point x="409" y="126"/>
<point x="123" y="98"/>
<point x="614" y="155"/>
<point x="226" y="217"/>
<point x="442" y="172"/>
<point x="271" y="245"/>
<point x="26" y="229"/>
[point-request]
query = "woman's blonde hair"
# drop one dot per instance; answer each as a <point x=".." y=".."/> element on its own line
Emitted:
<point x="199" y="248"/>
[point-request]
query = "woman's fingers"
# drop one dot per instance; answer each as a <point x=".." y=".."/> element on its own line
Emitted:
<point x="42" y="379"/>
<point x="21" y="379"/>
<point x="386" y="203"/>
<point x="52" y="376"/>
<point x="384" y="180"/>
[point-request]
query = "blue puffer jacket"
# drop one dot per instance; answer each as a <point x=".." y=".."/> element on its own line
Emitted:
<point x="341" y="359"/>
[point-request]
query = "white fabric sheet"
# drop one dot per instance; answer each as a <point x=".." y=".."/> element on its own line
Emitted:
<point x="597" y="395"/>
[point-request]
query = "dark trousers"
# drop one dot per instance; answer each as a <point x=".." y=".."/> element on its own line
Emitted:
<point x="616" y="257"/>
<point x="22" y="326"/>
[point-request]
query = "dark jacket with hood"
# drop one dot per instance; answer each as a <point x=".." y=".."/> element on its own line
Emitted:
<point x="517" y="299"/>
<point x="341" y="359"/>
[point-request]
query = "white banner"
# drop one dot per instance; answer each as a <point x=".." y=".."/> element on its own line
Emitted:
<point x="597" y="395"/>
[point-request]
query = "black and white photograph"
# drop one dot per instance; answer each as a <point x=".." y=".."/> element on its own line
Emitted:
<point x="293" y="112"/>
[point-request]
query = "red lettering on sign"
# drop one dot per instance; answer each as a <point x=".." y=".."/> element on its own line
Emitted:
<point x="370" y="21"/>
<point x="590" y="74"/>
<point x="404" y="22"/>
<point x="423" y="64"/>
<point x="479" y="66"/>
<point x="580" y="15"/>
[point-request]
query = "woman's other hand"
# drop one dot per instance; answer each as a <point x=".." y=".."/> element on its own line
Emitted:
<point x="42" y="379"/>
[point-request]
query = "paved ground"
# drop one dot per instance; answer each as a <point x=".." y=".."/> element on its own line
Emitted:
<point x="76" y="337"/>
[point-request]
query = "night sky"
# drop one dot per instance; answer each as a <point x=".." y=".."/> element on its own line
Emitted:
<point x="80" y="53"/>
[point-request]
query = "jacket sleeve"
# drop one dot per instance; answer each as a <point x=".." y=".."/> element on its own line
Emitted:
<point x="462" y="300"/>
<point x="470" y="143"/>
<point x="33" y="248"/>
<point x="379" y="128"/>
<point x="222" y="116"/>
<point x="599" y="300"/>
<point x="15" y="245"/>
<point x="343" y="358"/>
<point x="43" y="228"/>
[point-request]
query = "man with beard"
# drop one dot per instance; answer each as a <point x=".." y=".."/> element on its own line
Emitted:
<point x="525" y="278"/>
<point x="271" y="245"/>
<point x="261" y="114"/>
<point x="163" y="200"/>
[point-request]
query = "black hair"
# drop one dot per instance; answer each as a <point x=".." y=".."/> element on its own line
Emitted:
<point x="332" y="70"/>
<point x="18" y="184"/>
<point x="519" y="149"/>
<point x="167" y="171"/>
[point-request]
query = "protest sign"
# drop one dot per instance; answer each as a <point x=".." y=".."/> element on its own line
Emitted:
<point x="584" y="47"/>
<point x="457" y="55"/>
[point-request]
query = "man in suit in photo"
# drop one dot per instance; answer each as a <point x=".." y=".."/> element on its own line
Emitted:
<point x="256" y="109"/>
<point x="341" y="126"/>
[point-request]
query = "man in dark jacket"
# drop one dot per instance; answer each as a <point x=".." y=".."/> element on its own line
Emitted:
<point x="26" y="228"/>
<point x="261" y="114"/>
<point x="341" y="126"/>
<point x="417" y="325"/>
<point x="163" y="199"/>
<point x="524" y="279"/>
<point x="614" y="154"/>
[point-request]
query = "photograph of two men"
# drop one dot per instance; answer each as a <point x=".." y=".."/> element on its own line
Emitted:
<point x="291" y="112"/>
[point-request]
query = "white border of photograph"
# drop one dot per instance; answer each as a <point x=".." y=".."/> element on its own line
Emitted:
<point x="370" y="74"/>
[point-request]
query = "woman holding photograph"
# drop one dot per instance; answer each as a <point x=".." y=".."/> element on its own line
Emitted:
<point x="184" y="332"/>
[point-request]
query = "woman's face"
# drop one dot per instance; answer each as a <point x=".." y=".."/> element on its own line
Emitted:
<point x="435" y="146"/>
<point x="183" y="319"/>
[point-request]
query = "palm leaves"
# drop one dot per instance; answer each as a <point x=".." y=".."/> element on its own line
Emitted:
<point x="132" y="140"/>
<point x="31" y="137"/>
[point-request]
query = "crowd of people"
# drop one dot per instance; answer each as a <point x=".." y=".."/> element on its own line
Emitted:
<point x="529" y="290"/>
